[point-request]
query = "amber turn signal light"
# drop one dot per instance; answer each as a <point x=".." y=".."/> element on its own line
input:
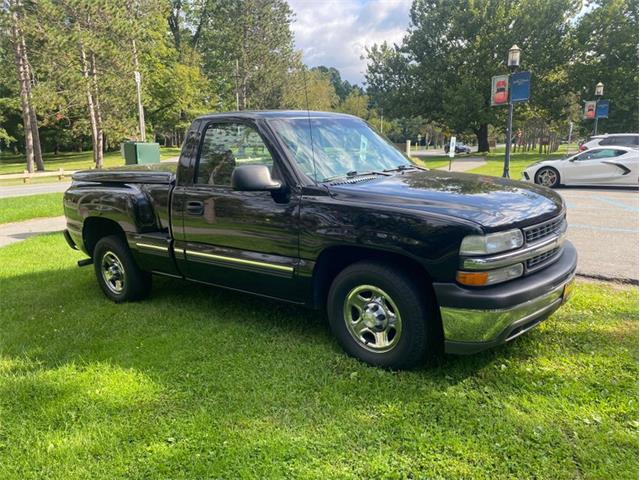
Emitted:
<point x="472" y="278"/>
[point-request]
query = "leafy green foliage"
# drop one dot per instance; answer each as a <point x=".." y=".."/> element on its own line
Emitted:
<point x="606" y="41"/>
<point x="443" y="68"/>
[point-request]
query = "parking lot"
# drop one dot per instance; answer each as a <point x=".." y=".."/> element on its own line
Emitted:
<point x="603" y="225"/>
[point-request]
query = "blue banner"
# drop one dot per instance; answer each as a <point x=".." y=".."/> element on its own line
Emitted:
<point x="602" y="109"/>
<point x="520" y="86"/>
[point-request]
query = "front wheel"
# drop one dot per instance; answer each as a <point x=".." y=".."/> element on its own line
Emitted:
<point x="117" y="272"/>
<point x="547" y="177"/>
<point x="383" y="317"/>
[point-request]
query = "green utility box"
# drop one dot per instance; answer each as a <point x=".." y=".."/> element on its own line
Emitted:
<point x="137" y="153"/>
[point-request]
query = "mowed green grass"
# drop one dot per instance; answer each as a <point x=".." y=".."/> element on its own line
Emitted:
<point x="518" y="161"/>
<point x="15" y="209"/>
<point x="68" y="161"/>
<point x="198" y="382"/>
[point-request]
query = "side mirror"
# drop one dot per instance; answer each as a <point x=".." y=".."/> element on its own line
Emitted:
<point x="253" y="178"/>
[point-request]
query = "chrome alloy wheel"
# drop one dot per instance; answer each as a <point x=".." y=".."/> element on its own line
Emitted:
<point x="112" y="272"/>
<point x="372" y="318"/>
<point x="547" y="177"/>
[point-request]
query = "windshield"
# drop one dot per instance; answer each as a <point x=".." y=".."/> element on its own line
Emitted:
<point x="341" y="147"/>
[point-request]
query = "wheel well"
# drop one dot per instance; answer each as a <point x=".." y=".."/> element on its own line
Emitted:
<point x="335" y="259"/>
<point x="95" y="228"/>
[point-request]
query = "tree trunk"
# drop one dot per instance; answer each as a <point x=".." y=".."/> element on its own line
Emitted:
<point x="100" y="140"/>
<point x="16" y="40"/>
<point x="482" y="134"/>
<point x="37" y="149"/>
<point x="90" y="103"/>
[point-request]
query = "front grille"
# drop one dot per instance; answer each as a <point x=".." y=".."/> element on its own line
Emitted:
<point x="541" y="260"/>
<point x="544" y="229"/>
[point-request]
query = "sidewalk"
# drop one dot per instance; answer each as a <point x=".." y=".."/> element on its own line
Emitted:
<point x="15" y="232"/>
<point x="464" y="164"/>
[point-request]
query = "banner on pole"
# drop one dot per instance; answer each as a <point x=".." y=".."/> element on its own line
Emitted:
<point x="602" y="109"/>
<point x="589" y="110"/>
<point x="520" y="87"/>
<point x="499" y="90"/>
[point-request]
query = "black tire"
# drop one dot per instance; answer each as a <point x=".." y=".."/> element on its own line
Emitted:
<point x="420" y="333"/>
<point x="446" y="149"/>
<point x="547" y="177"/>
<point x="112" y="258"/>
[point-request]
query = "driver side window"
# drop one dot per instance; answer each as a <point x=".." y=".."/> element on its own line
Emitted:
<point x="225" y="146"/>
<point x="601" y="153"/>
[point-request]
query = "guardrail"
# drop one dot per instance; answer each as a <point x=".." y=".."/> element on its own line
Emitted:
<point x="26" y="176"/>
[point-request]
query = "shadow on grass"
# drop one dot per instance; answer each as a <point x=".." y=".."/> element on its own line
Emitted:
<point x="81" y="322"/>
<point x="204" y="382"/>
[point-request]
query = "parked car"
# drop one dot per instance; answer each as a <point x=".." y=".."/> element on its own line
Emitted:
<point x="460" y="148"/>
<point x="406" y="261"/>
<point x="614" y="166"/>
<point x="612" y="139"/>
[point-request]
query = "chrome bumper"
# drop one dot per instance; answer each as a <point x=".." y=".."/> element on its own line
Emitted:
<point x="469" y="330"/>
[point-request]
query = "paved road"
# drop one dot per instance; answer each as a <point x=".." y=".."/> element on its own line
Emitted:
<point x="33" y="189"/>
<point x="603" y="225"/>
<point x="14" y="232"/>
<point x="463" y="164"/>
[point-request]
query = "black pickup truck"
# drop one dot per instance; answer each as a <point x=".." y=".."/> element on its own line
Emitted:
<point x="317" y="209"/>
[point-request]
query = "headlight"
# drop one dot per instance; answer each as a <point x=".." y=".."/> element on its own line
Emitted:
<point x="492" y="243"/>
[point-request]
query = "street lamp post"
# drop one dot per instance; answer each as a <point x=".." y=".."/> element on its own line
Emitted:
<point x="513" y="62"/>
<point x="599" y="92"/>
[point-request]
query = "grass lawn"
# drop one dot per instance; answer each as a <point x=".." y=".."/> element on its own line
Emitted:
<point x="198" y="382"/>
<point x="519" y="161"/>
<point x="14" y="209"/>
<point x="70" y="161"/>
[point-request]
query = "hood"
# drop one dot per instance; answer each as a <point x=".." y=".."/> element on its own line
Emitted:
<point x="491" y="202"/>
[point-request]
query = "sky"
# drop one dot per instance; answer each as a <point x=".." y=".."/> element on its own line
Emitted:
<point x="334" y="33"/>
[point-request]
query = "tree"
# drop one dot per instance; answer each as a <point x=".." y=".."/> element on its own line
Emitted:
<point x="33" y="149"/>
<point x="342" y="87"/>
<point x="247" y="50"/>
<point x="606" y="45"/>
<point x="310" y="90"/>
<point x="356" y="104"/>
<point x="452" y="49"/>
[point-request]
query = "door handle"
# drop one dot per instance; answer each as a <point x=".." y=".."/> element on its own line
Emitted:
<point x="195" y="208"/>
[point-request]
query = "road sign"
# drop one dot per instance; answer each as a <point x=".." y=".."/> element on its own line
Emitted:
<point x="602" y="109"/>
<point x="589" y="110"/>
<point x="520" y="86"/>
<point x="452" y="147"/>
<point x="499" y="90"/>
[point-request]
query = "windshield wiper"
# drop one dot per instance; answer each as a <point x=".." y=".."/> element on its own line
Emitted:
<point x="403" y="167"/>
<point x="354" y="173"/>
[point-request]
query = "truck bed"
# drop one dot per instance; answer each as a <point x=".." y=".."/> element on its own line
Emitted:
<point x="159" y="173"/>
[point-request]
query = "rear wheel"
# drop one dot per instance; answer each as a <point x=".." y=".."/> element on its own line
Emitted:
<point x="547" y="177"/>
<point x="383" y="317"/>
<point x="117" y="273"/>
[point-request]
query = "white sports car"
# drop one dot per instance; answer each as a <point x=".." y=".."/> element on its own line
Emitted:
<point x="599" y="166"/>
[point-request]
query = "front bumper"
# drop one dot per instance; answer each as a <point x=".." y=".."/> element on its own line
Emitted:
<point x="476" y="319"/>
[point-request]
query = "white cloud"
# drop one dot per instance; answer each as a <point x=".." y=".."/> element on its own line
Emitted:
<point x="335" y="32"/>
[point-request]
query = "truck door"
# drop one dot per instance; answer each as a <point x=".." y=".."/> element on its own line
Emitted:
<point x="242" y="240"/>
